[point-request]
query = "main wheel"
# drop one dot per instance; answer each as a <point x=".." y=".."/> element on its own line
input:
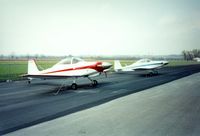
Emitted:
<point x="74" y="86"/>
<point x="94" y="83"/>
<point x="151" y="74"/>
<point x="156" y="72"/>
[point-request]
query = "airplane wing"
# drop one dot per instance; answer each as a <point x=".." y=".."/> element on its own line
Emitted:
<point x="147" y="67"/>
<point x="141" y="69"/>
<point x="48" y="76"/>
<point x="59" y="76"/>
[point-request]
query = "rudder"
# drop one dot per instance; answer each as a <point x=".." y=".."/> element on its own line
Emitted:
<point x="32" y="67"/>
<point x="117" y="66"/>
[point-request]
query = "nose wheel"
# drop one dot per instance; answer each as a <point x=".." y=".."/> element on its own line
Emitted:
<point x="94" y="83"/>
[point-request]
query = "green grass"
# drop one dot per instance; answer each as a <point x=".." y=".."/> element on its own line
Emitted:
<point x="13" y="69"/>
<point x="171" y="62"/>
<point x="181" y="62"/>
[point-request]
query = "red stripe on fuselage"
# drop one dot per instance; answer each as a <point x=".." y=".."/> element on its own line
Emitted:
<point x="94" y="66"/>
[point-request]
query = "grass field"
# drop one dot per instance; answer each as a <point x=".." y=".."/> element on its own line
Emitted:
<point x="13" y="69"/>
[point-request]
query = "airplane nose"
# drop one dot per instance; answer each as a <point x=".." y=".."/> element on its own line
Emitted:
<point x="165" y="62"/>
<point x="106" y="65"/>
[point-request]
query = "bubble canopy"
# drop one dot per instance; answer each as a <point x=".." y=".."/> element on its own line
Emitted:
<point x="143" y="61"/>
<point x="69" y="60"/>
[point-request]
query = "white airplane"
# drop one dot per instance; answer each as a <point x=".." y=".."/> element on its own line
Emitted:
<point x="69" y="67"/>
<point x="197" y="59"/>
<point x="144" y="65"/>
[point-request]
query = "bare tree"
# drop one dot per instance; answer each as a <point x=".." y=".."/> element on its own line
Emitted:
<point x="190" y="55"/>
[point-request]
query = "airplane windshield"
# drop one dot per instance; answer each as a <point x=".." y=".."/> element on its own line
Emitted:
<point x="69" y="60"/>
<point x="76" y="60"/>
<point x="143" y="61"/>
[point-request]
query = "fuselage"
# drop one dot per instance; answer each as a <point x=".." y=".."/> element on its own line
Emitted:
<point x="69" y="67"/>
<point x="143" y="64"/>
<point x="78" y="69"/>
<point x="147" y="64"/>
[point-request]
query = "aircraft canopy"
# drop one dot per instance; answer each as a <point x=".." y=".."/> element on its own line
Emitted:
<point x="69" y="60"/>
<point x="143" y="61"/>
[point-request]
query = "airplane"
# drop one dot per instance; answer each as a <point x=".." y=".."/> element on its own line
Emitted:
<point x="70" y="67"/>
<point x="196" y="59"/>
<point x="142" y="65"/>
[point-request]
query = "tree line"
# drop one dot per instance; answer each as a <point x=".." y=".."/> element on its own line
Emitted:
<point x="190" y="55"/>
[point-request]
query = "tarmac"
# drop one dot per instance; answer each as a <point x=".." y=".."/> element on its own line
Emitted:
<point x="169" y="109"/>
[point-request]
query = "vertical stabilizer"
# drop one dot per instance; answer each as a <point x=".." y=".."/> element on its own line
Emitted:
<point x="32" y="67"/>
<point x="117" y="65"/>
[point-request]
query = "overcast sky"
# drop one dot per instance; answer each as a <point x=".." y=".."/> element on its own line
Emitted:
<point x="99" y="27"/>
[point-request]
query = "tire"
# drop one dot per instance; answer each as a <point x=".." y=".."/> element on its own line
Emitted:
<point x="156" y="72"/>
<point x="151" y="74"/>
<point x="74" y="86"/>
<point x="94" y="83"/>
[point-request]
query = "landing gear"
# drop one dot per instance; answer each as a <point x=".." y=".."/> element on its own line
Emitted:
<point x="29" y="81"/>
<point x="94" y="82"/>
<point x="153" y="73"/>
<point x="74" y="86"/>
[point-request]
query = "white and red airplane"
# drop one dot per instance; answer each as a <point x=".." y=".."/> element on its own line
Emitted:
<point x="69" y="67"/>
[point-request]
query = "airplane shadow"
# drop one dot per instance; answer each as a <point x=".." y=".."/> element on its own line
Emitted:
<point x="149" y="75"/>
<point x="67" y="88"/>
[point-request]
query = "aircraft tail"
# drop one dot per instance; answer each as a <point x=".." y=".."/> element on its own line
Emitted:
<point x="117" y="66"/>
<point x="32" y="67"/>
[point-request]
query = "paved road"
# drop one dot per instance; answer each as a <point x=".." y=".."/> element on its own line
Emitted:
<point x="23" y="105"/>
